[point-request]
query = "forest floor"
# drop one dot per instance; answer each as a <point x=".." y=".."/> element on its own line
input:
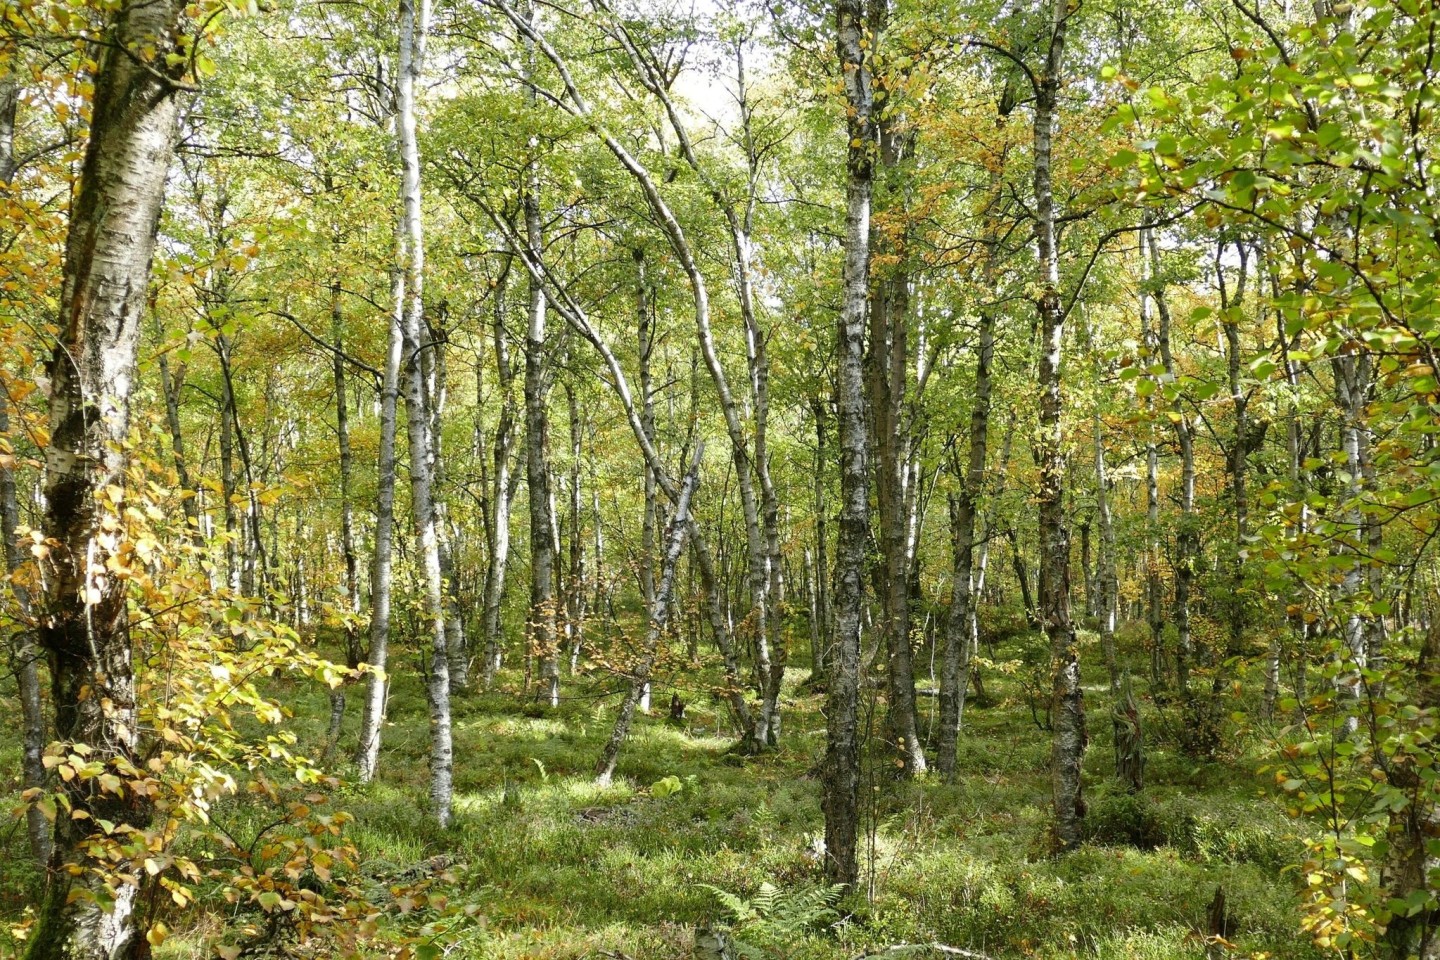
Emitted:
<point x="558" y="868"/>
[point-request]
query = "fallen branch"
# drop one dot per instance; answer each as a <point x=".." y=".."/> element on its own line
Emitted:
<point x="920" y="949"/>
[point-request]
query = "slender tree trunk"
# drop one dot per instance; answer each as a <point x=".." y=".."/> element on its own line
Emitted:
<point x="1067" y="704"/>
<point x="959" y="643"/>
<point x="659" y="619"/>
<point x="1154" y="586"/>
<point x="227" y="495"/>
<point x="1107" y="580"/>
<point x="411" y="262"/>
<point x="886" y="375"/>
<point x="25" y="655"/>
<point x="253" y="565"/>
<point x="1299" y="478"/>
<point x="83" y="628"/>
<point x="541" y="622"/>
<point x="820" y="667"/>
<point x="354" y="653"/>
<point x="645" y="343"/>
<point x="170" y="385"/>
<point x="1352" y="385"/>
<point x="1187" y="538"/>
<point x="503" y="485"/>
<point x="367" y="754"/>
<point x="575" y="576"/>
<point x="841" y="770"/>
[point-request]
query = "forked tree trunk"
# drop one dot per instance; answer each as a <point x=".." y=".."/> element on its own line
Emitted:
<point x="83" y="626"/>
<point x="575" y="316"/>
<point x="170" y="385"/>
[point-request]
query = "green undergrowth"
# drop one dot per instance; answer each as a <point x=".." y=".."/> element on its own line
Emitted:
<point x="553" y="866"/>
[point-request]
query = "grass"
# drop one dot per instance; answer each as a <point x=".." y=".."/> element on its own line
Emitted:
<point x="554" y="867"/>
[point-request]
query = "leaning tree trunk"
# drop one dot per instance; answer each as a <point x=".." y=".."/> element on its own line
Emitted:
<point x="83" y="626"/>
<point x="659" y="618"/>
<point x="841" y="771"/>
<point x="762" y="573"/>
<point x="1067" y="703"/>
<point x="762" y="526"/>
<point x="411" y="260"/>
<point x="575" y="316"/>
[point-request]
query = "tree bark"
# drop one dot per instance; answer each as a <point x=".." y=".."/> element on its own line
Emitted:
<point x="541" y="622"/>
<point x="841" y="771"/>
<point x="84" y="629"/>
<point x="1067" y="701"/>
<point x="414" y="21"/>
